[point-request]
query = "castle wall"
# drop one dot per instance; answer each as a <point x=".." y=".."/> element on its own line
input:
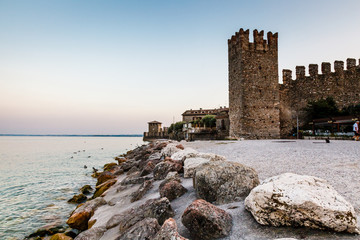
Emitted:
<point x="253" y="86"/>
<point x="342" y="85"/>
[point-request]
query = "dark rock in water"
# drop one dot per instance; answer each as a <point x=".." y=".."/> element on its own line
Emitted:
<point x="109" y="166"/>
<point x="163" y="168"/>
<point x="144" y="229"/>
<point x="153" y="208"/>
<point x="224" y="181"/>
<point x="96" y="174"/>
<point x="172" y="190"/>
<point x="169" y="231"/>
<point x="71" y="232"/>
<point x="144" y="187"/>
<point x="85" y="166"/>
<point x="100" y="189"/>
<point x="91" y="234"/>
<point x="80" y="216"/>
<point x="86" y="189"/>
<point x="60" y="236"/>
<point x="47" y="230"/>
<point x="206" y="221"/>
<point x="78" y="198"/>
<point x="105" y="176"/>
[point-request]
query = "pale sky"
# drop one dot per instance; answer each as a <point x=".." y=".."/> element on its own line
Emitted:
<point x="109" y="67"/>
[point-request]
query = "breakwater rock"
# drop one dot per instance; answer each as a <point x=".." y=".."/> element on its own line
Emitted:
<point x="167" y="190"/>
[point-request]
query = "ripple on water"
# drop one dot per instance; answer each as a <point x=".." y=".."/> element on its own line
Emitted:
<point x="36" y="181"/>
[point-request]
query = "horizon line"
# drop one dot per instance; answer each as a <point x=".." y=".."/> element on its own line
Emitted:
<point x="72" y="135"/>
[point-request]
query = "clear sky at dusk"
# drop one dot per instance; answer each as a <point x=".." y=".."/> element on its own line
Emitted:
<point x="109" y="67"/>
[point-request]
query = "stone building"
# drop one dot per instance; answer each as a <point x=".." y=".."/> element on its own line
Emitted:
<point x="155" y="131"/>
<point x="193" y="132"/>
<point x="192" y="115"/>
<point x="253" y="85"/>
<point x="261" y="107"/>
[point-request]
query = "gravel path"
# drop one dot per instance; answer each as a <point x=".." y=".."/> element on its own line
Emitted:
<point x="337" y="161"/>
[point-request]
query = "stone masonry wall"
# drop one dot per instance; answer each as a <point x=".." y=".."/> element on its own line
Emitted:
<point x="253" y="86"/>
<point x="342" y="85"/>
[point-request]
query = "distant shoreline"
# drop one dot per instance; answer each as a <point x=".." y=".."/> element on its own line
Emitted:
<point x="68" y="135"/>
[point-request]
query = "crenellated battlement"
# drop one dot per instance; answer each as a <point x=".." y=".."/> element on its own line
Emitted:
<point x="260" y="107"/>
<point x="313" y="71"/>
<point x="340" y="84"/>
<point x="241" y="40"/>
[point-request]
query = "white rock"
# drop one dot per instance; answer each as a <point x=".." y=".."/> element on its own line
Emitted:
<point x="298" y="200"/>
<point x="170" y="149"/>
<point x="191" y="163"/>
<point x="183" y="154"/>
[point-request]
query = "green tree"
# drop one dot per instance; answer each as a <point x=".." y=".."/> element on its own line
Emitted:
<point x="176" y="127"/>
<point x="209" y="121"/>
<point x="322" y="108"/>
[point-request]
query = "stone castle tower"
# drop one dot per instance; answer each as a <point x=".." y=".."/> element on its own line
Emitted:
<point x="254" y="85"/>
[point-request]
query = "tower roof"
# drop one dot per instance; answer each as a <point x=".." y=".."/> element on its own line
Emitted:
<point x="155" y="122"/>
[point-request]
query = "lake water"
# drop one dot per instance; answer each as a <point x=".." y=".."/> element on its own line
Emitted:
<point x="39" y="174"/>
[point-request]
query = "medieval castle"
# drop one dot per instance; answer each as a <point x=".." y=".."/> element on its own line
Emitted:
<point x="261" y="107"/>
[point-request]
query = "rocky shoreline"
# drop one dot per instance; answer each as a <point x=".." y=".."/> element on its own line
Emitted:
<point x="165" y="191"/>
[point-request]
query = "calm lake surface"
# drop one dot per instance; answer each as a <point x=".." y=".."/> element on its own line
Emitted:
<point x="39" y="174"/>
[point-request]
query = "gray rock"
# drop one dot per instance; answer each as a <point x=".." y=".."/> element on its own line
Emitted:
<point x="144" y="187"/>
<point x="144" y="229"/>
<point x="153" y="208"/>
<point x="93" y="233"/>
<point x="162" y="169"/>
<point x="224" y="181"/>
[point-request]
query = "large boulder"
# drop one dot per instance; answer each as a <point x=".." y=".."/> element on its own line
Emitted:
<point x="298" y="200"/>
<point x="80" y="216"/>
<point x="153" y="208"/>
<point x="183" y="154"/>
<point x="172" y="189"/>
<point x="170" y="149"/>
<point x="148" y="168"/>
<point x="224" y="181"/>
<point x="145" y="229"/>
<point x="169" y="231"/>
<point x="162" y="169"/>
<point x="196" y="159"/>
<point x="206" y="221"/>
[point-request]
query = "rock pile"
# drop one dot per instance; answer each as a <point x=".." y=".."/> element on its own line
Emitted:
<point x="134" y="198"/>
